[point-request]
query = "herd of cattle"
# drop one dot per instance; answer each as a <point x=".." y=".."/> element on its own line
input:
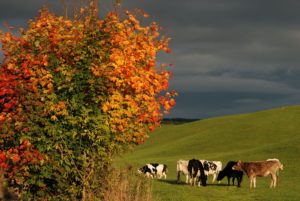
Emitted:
<point x="196" y="171"/>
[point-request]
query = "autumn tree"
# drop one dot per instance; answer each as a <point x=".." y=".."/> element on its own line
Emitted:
<point x="73" y="93"/>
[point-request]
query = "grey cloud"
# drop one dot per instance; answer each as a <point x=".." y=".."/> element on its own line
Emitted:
<point x="244" y="53"/>
<point x="209" y="104"/>
<point x="231" y="84"/>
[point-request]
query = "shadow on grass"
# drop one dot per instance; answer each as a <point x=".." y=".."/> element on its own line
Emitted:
<point x="174" y="182"/>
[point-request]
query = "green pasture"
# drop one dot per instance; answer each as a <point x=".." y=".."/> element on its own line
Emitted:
<point x="256" y="136"/>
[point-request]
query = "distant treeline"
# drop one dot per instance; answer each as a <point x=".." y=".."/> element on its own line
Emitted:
<point x="177" y="120"/>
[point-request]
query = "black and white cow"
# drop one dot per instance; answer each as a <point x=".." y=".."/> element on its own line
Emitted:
<point x="148" y="170"/>
<point x="182" y="168"/>
<point x="196" y="172"/>
<point x="230" y="173"/>
<point x="212" y="168"/>
<point x="151" y="170"/>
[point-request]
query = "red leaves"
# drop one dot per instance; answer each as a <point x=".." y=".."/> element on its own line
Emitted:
<point x="13" y="160"/>
<point x="2" y="157"/>
<point x="7" y="106"/>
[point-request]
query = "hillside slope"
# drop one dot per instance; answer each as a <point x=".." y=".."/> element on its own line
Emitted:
<point x="256" y="136"/>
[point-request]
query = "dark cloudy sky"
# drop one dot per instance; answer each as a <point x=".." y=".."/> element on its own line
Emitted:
<point x="229" y="56"/>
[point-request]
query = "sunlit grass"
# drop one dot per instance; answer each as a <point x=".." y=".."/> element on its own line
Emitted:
<point x="256" y="136"/>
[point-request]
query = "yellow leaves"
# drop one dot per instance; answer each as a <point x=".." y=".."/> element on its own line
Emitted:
<point x="37" y="43"/>
<point x="7" y="37"/>
<point x="50" y="86"/>
<point x="104" y="108"/>
<point x="120" y="128"/>
<point x="117" y="57"/>
<point x="96" y="71"/>
<point x="53" y="118"/>
<point x="120" y="25"/>
<point x="58" y="109"/>
<point x="46" y="91"/>
<point x="64" y="112"/>
<point x="61" y="105"/>
<point x="125" y="42"/>
<point x="52" y="108"/>
<point x="119" y="61"/>
<point x="45" y="60"/>
<point x="68" y="23"/>
<point x="43" y="83"/>
<point x="10" y="66"/>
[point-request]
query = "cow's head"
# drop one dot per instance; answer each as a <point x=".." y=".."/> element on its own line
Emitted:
<point x="237" y="166"/>
<point x="221" y="175"/>
<point x="142" y="170"/>
<point x="139" y="171"/>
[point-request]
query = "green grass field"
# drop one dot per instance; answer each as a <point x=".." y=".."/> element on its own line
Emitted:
<point x="256" y="136"/>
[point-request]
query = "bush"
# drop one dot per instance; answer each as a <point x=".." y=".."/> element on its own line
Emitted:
<point x="73" y="94"/>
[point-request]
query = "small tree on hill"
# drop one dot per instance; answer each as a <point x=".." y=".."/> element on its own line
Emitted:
<point x="74" y="92"/>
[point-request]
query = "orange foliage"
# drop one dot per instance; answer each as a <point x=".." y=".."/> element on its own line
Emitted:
<point x="134" y="82"/>
<point x="123" y="54"/>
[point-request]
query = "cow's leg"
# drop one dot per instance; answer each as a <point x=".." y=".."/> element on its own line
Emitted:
<point x="149" y="175"/>
<point x="191" y="181"/>
<point x="233" y="178"/>
<point x="178" y="177"/>
<point x="251" y="181"/>
<point x="187" y="179"/>
<point x="214" y="178"/>
<point x="273" y="180"/>
<point x="254" y="182"/>
<point x="239" y="180"/>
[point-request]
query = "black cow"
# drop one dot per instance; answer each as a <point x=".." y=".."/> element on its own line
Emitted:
<point x="230" y="173"/>
<point x="196" y="172"/>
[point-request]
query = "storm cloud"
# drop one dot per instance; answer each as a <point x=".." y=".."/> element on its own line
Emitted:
<point x="232" y="56"/>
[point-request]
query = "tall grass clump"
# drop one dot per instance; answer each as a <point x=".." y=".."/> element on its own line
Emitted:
<point x="127" y="185"/>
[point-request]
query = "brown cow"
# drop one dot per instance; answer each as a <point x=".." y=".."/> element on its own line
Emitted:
<point x="260" y="169"/>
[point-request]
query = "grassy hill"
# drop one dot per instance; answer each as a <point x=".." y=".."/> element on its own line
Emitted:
<point x="257" y="136"/>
